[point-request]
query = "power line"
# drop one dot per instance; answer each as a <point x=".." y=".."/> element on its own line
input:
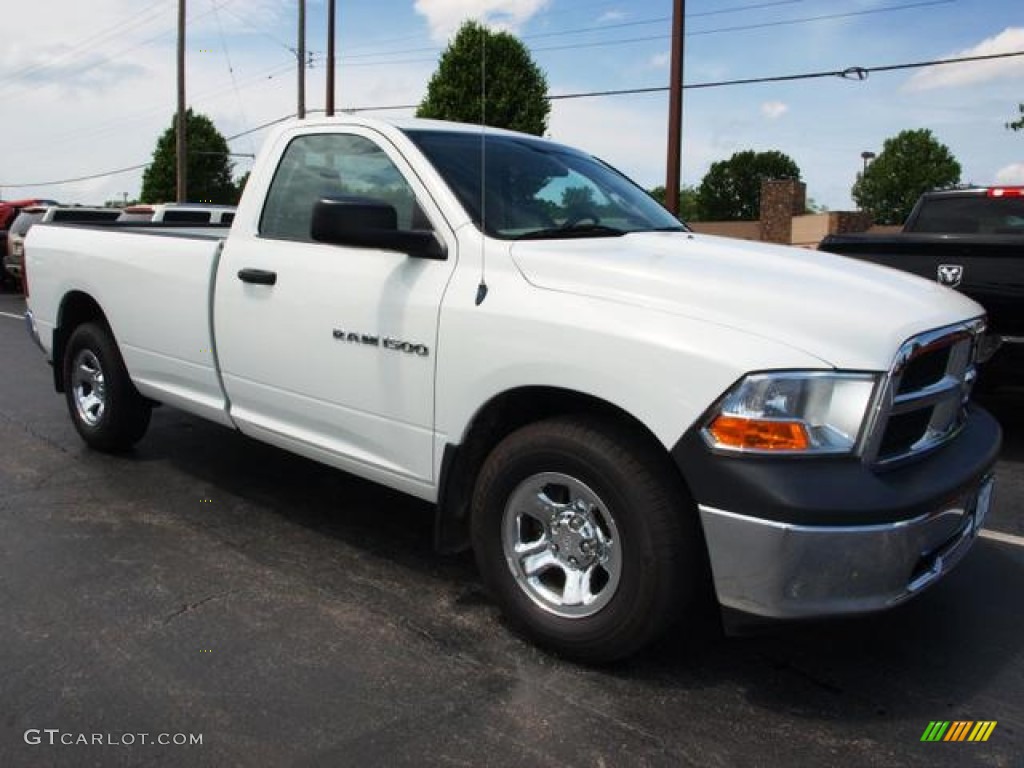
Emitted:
<point x="590" y="9"/>
<point x="748" y="27"/>
<point x="78" y="178"/>
<point x="231" y="69"/>
<point x="850" y="73"/>
<point x="115" y="124"/>
<point x="137" y="19"/>
<point x="652" y="38"/>
<point x="269" y="124"/>
<point x="16" y="80"/>
<point x="660" y="20"/>
<point x="253" y="27"/>
<point x="741" y="8"/>
<point x="854" y="73"/>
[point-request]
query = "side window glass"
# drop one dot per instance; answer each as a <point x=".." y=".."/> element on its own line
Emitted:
<point x="333" y="165"/>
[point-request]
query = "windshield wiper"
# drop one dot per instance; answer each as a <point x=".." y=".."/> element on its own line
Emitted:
<point x="576" y="230"/>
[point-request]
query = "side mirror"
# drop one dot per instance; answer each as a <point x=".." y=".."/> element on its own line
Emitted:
<point x="367" y="223"/>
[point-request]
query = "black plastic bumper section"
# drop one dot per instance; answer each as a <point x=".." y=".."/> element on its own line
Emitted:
<point x="839" y="491"/>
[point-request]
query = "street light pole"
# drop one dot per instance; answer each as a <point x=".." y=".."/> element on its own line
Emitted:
<point x="181" y="123"/>
<point x="867" y="157"/>
<point x="675" y="110"/>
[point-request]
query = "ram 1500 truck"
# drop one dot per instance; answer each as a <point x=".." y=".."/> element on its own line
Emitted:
<point x="970" y="239"/>
<point x="615" y="413"/>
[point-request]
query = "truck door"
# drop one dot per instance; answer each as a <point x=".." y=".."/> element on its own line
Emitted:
<point x="328" y="350"/>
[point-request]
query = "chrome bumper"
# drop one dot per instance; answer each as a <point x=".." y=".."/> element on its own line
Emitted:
<point x="781" y="570"/>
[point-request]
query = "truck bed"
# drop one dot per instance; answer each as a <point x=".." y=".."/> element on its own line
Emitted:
<point x="991" y="267"/>
<point x="155" y="284"/>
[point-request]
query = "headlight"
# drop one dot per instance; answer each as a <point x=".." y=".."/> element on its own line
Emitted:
<point x="792" y="412"/>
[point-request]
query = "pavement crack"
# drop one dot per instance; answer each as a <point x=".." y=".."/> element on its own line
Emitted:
<point x="814" y="679"/>
<point x="580" y="704"/>
<point x="34" y="433"/>
<point x="188" y="607"/>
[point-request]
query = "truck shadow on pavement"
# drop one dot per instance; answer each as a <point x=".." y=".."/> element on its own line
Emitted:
<point x="347" y="539"/>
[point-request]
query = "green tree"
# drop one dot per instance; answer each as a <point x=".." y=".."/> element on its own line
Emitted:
<point x="516" y="88"/>
<point x="687" y="200"/>
<point x="578" y="200"/>
<point x="209" y="165"/>
<point x="910" y="163"/>
<point x="240" y="185"/>
<point x="1018" y="124"/>
<point x="731" y="189"/>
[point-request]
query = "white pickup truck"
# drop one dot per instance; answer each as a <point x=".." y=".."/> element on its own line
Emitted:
<point x="617" y="414"/>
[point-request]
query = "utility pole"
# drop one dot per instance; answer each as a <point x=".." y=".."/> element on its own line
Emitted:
<point x="675" y="110"/>
<point x="300" y="56"/>
<point x="330" y="58"/>
<point x="181" y="124"/>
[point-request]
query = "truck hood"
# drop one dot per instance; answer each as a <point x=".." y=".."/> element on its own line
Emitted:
<point x="847" y="313"/>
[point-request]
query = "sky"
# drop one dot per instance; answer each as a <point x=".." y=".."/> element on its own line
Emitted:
<point x="89" y="86"/>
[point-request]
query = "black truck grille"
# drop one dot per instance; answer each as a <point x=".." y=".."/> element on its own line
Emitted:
<point x="924" y="403"/>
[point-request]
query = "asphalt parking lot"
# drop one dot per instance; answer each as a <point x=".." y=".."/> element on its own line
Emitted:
<point x="289" y="614"/>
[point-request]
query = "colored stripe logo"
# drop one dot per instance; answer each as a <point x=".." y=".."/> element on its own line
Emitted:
<point x="958" y="730"/>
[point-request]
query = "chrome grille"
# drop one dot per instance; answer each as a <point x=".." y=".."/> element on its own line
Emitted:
<point x="924" y="400"/>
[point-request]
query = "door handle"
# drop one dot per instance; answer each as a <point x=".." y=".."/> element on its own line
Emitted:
<point x="257" y="276"/>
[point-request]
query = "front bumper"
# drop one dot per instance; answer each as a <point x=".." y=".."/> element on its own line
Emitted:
<point x="786" y="571"/>
<point x="791" y="539"/>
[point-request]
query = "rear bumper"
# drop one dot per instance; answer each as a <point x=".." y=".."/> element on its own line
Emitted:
<point x="791" y="538"/>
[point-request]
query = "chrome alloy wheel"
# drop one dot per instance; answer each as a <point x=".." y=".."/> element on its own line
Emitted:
<point x="561" y="544"/>
<point x="88" y="388"/>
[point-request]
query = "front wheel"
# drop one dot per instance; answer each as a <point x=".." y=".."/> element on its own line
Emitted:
<point x="106" y="409"/>
<point x="585" y="537"/>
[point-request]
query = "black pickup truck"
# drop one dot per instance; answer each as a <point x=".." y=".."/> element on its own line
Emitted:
<point x="969" y="239"/>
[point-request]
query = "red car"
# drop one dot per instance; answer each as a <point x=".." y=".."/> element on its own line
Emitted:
<point x="9" y="210"/>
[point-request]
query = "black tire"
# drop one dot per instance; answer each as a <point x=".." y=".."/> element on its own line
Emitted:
<point x="643" y="567"/>
<point x="105" y="407"/>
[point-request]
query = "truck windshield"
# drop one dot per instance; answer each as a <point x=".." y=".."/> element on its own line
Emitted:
<point x="516" y="188"/>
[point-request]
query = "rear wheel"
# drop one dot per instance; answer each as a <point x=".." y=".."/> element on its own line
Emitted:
<point x="105" y="407"/>
<point x="585" y="537"/>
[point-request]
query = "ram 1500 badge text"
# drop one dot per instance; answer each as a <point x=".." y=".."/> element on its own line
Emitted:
<point x="615" y="413"/>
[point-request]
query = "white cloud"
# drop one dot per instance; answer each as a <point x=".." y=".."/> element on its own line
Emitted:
<point x="1011" y="174"/>
<point x="96" y="90"/>
<point x="660" y="61"/>
<point x="630" y="136"/>
<point x="1010" y="40"/>
<point x="611" y="16"/>
<point x="773" y="110"/>
<point x="445" y="16"/>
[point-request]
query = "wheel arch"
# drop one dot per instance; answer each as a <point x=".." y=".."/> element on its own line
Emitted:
<point x="496" y="419"/>
<point x="76" y="308"/>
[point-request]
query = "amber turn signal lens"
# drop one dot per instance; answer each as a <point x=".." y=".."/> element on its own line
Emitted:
<point x="756" y="435"/>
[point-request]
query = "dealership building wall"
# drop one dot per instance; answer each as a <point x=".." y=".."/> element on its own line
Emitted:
<point x="783" y="219"/>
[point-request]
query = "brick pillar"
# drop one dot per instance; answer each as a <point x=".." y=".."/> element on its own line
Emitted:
<point x="842" y="222"/>
<point x="781" y="200"/>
